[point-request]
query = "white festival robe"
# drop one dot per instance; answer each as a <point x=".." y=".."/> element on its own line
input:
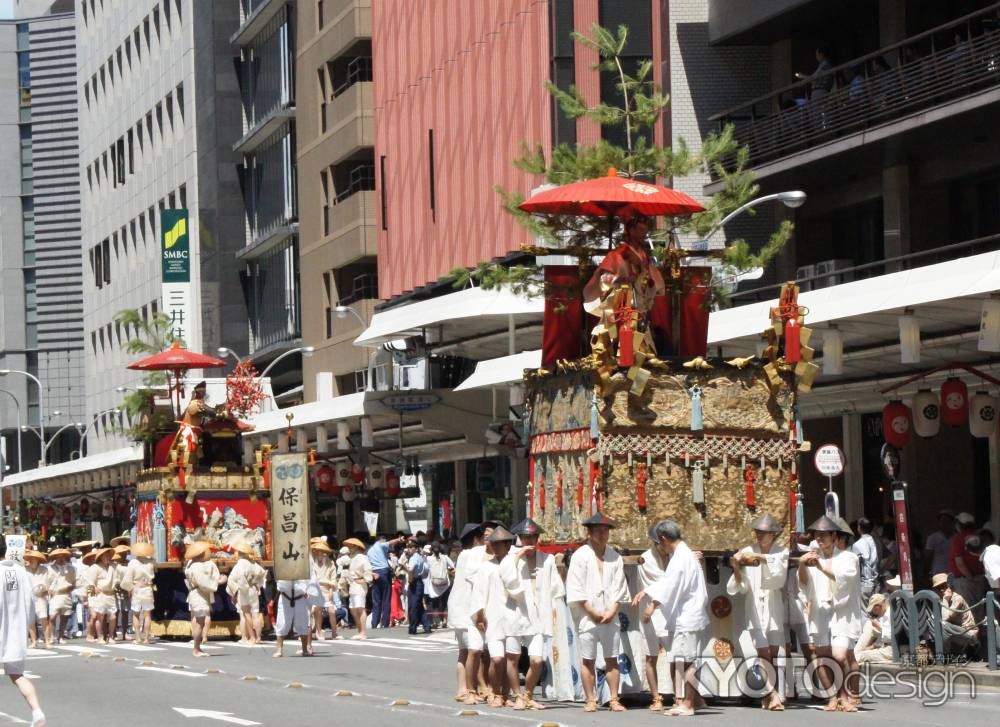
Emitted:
<point x="762" y="587"/>
<point x="584" y="583"/>
<point x="532" y="585"/>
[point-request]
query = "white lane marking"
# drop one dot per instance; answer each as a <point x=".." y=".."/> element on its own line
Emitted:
<point x="136" y="647"/>
<point x="375" y="656"/>
<point x="213" y="714"/>
<point x="51" y="656"/>
<point x="377" y="645"/>
<point x="81" y="649"/>
<point x="178" y="672"/>
<point x="190" y="645"/>
<point x="12" y="718"/>
<point x="29" y="675"/>
<point x="39" y="652"/>
<point x="411" y="642"/>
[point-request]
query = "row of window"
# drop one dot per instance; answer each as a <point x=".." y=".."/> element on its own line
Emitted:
<point x="114" y="334"/>
<point x="121" y="59"/>
<point x="119" y="160"/>
<point x="142" y="228"/>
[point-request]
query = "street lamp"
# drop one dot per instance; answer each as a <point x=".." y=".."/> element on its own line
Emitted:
<point x="93" y="421"/>
<point x="223" y="351"/>
<point x="304" y="350"/>
<point x="41" y="405"/>
<point x="74" y="425"/>
<point x="17" y="409"/>
<point x="342" y="311"/>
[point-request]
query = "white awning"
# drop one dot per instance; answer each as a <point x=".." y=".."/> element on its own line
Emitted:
<point x="315" y="412"/>
<point x="503" y="370"/>
<point x="469" y="306"/>
<point x="968" y="276"/>
<point x="90" y="463"/>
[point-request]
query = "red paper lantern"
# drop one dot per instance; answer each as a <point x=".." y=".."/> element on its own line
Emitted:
<point x="67" y="515"/>
<point x="49" y="514"/>
<point x="349" y="493"/>
<point x="84" y="507"/>
<point x="357" y="473"/>
<point x="33" y="513"/>
<point x="391" y="484"/>
<point x="896" y="424"/>
<point x="954" y="402"/>
<point x="326" y="480"/>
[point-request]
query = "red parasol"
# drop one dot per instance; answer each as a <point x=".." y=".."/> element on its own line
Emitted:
<point x="177" y="359"/>
<point x="611" y="195"/>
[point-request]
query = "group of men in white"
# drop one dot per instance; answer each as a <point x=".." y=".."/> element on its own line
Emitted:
<point x="505" y="589"/>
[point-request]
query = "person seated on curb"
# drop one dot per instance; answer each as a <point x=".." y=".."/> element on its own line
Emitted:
<point x="958" y="624"/>
<point x="875" y="644"/>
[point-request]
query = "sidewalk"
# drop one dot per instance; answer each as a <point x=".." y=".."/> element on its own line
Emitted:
<point x="978" y="670"/>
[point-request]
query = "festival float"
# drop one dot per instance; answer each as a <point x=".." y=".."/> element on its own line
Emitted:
<point x="199" y="481"/>
<point x="647" y="425"/>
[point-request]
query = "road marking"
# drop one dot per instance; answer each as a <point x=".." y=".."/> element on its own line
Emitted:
<point x="82" y="649"/>
<point x="29" y="675"/>
<point x="212" y="714"/>
<point x="12" y="718"/>
<point x="434" y="645"/>
<point x="39" y="652"/>
<point x="190" y="645"/>
<point x="137" y="647"/>
<point x="376" y="645"/>
<point x="51" y="656"/>
<point x="375" y="656"/>
<point x="176" y="672"/>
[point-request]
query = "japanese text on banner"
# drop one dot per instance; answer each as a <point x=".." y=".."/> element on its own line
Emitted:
<point x="290" y="515"/>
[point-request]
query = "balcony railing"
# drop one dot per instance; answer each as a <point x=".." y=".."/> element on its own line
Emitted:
<point x="358" y="70"/>
<point x="363" y="287"/>
<point x="360" y="179"/>
<point x="941" y="65"/>
<point x="909" y="261"/>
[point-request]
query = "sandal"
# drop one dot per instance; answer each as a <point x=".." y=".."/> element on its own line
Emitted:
<point x="615" y="706"/>
<point x="590" y="706"/>
<point x="496" y="701"/>
<point x="657" y="704"/>
<point x="532" y="704"/>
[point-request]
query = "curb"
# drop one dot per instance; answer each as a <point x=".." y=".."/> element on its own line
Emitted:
<point x="982" y="677"/>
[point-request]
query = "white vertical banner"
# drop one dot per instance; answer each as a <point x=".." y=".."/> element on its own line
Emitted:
<point x="290" y="515"/>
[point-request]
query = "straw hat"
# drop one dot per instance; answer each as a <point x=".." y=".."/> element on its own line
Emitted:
<point x="59" y="553"/>
<point x="196" y="550"/>
<point x="320" y="545"/>
<point x="86" y="544"/>
<point x="939" y="579"/>
<point x="123" y="539"/>
<point x="35" y="555"/>
<point x="122" y="549"/>
<point x="103" y="552"/>
<point x="244" y="548"/>
<point x="89" y="558"/>
<point x="354" y="543"/>
<point x="317" y="539"/>
<point x="877" y="599"/>
<point x="143" y="550"/>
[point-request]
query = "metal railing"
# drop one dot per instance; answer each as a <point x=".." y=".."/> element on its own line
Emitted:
<point x="360" y="179"/>
<point x="940" y="65"/>
<point x="358" y="70"/>
<point x="363" y="287"/>
<point x="873" y="269"/>
<point x="917" y="618"/>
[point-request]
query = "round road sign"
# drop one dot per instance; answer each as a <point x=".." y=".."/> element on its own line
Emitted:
<point x="829" y="460"/>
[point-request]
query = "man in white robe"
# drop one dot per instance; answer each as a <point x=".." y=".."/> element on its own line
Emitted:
<point x="595" y="590"/>
<point x="532" y="585"/>
<point x="759" y="574"/>
<point x="652" y="565"/>
<point x="489" y="598"/>
<point x="17" y="610"/>
<point x="829" y="577"/>
<point x="683" y="597"/>
<point x="467" y="634"/>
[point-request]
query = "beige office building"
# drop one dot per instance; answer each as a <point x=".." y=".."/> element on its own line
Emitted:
<point x="336" y="178"/>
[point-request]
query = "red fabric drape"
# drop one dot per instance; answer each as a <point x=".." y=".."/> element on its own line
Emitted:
<point x="563" y="321"/>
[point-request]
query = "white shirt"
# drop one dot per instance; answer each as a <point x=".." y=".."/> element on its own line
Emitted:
<point x="585" y="584"/>
<point x="835" y="600"/>
<point x="681" y="592"/>
<point x="460" y="598"/>
<point x="532" y="585"/>
<point x="430" y="590"/>
<point x="650" y="571"/>
<point x="865" y="548"/>
<point x="490" y="597"/>
<point x="762" y="586"/>
<point x="939" y="544"/>
<point x="17" y="610"/>
<point x="991" y="565"/>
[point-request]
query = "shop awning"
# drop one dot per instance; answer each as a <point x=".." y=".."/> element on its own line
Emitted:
<point x="332" y="410"/>
<point x="464" y="313"/>
<point x="503" y="370"/>
<point x="969" y="276"/>
<point x="95" y="470"/>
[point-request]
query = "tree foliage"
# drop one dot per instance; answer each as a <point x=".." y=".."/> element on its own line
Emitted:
<point x="641" y="107"/>
<point x="146" y="336"/>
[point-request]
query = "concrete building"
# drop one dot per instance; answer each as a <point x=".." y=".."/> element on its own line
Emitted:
<point x="159" y="115"/>
<point x="265" y="43"/>
<point x="41" y="297"/>
<point x="894" y="140"/>
<point x="336" y="181"/>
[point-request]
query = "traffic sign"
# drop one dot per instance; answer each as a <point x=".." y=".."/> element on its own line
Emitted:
<point x="829" y="460"/>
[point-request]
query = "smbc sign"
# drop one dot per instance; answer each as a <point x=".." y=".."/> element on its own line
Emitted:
<point x="175" y="247"/>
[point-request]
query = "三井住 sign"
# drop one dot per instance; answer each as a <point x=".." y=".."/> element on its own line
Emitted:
<point x="290" y="515"/>
<point x="829" y="460"/>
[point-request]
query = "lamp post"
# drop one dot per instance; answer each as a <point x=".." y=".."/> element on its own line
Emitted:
<point x="342" y="312"/>
<point x="41" y="406"/>
<point x="304" y="350"/>
<point x="17" y="409"/>
<point x="86" y="431"/>
<point x="74" y="425"/>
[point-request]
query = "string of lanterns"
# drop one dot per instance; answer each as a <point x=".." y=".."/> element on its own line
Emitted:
<point x="346" y="479"/>
<point x="927" y="410"/>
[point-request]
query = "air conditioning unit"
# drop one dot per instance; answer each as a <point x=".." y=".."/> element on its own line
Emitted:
<point x="828" y="273"/>
<point x="802" y="272"/>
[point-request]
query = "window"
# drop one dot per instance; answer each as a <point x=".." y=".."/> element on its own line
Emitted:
<point x="382" y="191"/>
<point x="430" y="169"/>
<point x="182" y="194"/>
<point x="120" y="144"/>
<point x="179" y="95"/>
<point x="324" y="178"/>
<point x="330" y="308"/>
<point x="319" y="15"/>
<point x="106" y="259"/>
<point x="321" y="78"/>
<point x="131" y="153"/>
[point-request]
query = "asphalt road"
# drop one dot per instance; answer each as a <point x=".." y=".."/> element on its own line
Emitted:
<point x="350" y="683"/>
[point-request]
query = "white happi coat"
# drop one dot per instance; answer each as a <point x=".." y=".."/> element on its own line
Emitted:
<point x="584" y="583"/>
<point x="835" y="601"/>
<point x="17" y="610"/>
<point x="532" y="585"/>
<point x="245" y="581"/>
<point x="762" y="587"/>
<point x="490" y="597"/>
<point x="649" y="573"/>
<point x="460" y="599"/>
<point x="138" y="580"/>
<point x="63" y="583"/>
<point x="360" y="575"/>
<point x="202" y="579"/>
<point x="41" y="583"/>
<point x="681" y="592"/>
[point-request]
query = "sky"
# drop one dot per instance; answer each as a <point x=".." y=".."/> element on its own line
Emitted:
<point x="6" y="9"/>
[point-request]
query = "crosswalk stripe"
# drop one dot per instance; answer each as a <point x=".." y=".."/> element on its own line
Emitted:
<point x="136" y="647"/>
<point x="81" y="649"/>
<point x="190" y="645"/>
<point x="178" y="672"/>
<point x="377" y="645"/>
<point x="376" y="656"/>
<point x="39" y="652"/>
